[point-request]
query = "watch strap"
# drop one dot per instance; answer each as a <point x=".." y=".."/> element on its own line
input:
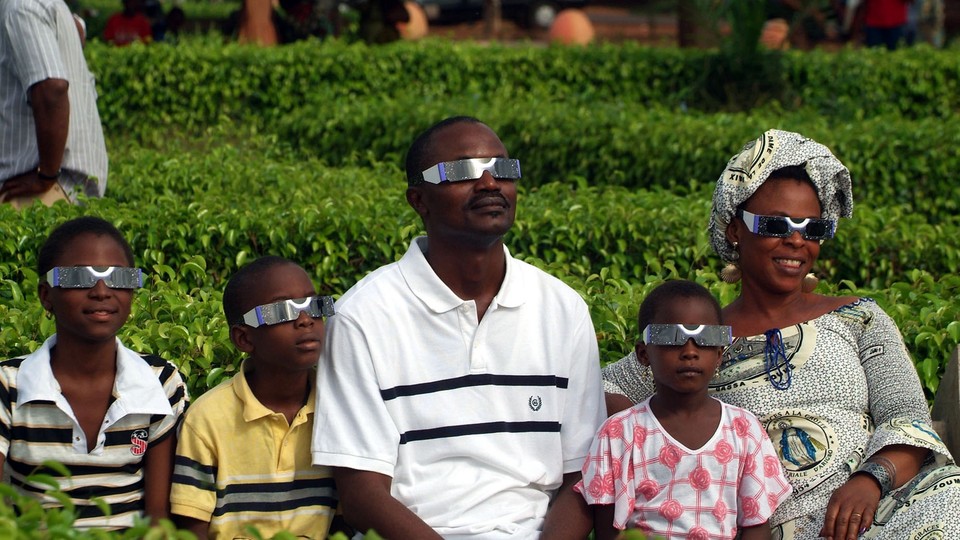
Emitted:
<point x="47" y="177"/>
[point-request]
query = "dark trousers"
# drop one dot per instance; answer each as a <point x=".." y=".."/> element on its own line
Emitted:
<point x="890" y="37"/>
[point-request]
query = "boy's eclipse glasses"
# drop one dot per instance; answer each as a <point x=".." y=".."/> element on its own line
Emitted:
<point x="704" y="335"/>
<point x="783" y="227"/>
<point x="471" y="169"/>
<point x="289" y="310"/>
<point x="86" y="277"/>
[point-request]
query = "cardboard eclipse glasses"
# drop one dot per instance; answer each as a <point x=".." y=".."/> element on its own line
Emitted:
<point x="471" y="169"/>
<point x="783" y="227"/>
<point x="86" y="277"/>
<point x="704" y="335"/>
<point x="288" y="310"/>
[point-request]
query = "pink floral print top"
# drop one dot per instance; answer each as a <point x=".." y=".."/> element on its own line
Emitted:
<point x="662" y="487"/>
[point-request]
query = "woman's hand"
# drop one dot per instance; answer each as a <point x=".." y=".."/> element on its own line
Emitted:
<point x="851" y="508"/>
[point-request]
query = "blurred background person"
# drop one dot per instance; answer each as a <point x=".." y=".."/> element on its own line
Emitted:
<point x="51" y="140"/>
<point x="925" y="22"/>
<point x="129" y="25"/>
<point x="885" y="22"/>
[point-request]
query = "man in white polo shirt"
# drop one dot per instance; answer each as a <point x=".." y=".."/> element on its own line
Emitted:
<point x="459" y="390"/>
<point x="51" y="141"/>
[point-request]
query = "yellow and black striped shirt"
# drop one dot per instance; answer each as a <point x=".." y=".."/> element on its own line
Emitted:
<point x="240" y="463"/>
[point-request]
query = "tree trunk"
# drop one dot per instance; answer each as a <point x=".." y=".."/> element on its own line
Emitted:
<point x="687" y="23"/>
<point x="492" y="17"/>
<point x="697" y="23"/>
<point x="256" y="25"/>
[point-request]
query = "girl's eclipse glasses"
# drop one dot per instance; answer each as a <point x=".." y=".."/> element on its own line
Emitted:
<point x="86" y="277"/>
<point x="675" y="335"/>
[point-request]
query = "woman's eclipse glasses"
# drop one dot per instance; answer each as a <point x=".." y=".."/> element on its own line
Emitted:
<point x="783" y="227"/>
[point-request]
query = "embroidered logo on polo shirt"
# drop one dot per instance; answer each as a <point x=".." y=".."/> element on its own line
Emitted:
<point x="535" y="403"/>
<point x="138" y="442"/>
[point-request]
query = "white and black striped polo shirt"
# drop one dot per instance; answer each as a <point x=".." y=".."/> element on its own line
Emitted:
<point x="38" y="424"/>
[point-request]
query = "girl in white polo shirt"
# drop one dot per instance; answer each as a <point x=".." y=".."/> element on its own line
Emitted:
<point x="83" y="399"/>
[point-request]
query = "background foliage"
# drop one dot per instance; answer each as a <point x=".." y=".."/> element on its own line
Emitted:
<point x="586" y="113"/>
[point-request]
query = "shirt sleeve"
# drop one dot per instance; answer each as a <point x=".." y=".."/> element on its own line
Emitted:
<point x="32" y="32"/>
<point x="763" y="486"/>
<point x="352" y="426"/>
<point x="608" y="472"/>
<point x="584" y="408"/>
<point x="193" y="492"/>
<point x="629" y="378"/>
<point x="176" y="392"/>
<point x="6" y="412"/>
<point x="897" y="403"/>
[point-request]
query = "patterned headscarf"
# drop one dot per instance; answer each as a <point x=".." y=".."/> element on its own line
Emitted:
<point x="749" y="169"/>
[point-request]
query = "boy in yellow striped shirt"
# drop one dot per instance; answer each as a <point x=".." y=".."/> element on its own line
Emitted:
<point x="243" y="457"/>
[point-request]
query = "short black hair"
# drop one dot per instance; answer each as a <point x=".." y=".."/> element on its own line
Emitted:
<point x="65" y="233"/>
<point x="419" y="156"/>
<point x="245" y="280"/>
<point x="670" y="290"/>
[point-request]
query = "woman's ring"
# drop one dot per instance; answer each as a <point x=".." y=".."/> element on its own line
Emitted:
<point x="857" y="515"/>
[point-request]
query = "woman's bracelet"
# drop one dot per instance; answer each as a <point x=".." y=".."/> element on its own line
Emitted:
<point x="891" y="468"/>
<point x="881" y="472"/>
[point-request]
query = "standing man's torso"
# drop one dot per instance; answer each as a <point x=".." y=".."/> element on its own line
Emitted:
<point x="39" y="40"/>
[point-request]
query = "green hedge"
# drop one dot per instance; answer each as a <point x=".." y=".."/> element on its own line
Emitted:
<point x="585" y="227"/>
<point x="892" y="160"/>
<point x="600" y="116"/>
<point x="198" y="81"/>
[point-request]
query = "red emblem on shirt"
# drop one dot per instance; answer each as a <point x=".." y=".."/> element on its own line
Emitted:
<point x="138" y="442"/>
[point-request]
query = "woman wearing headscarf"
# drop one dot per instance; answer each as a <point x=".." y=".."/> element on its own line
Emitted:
<point x="829" y="377"/>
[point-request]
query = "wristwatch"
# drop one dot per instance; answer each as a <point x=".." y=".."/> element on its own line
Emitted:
<point x="47" y="177"/>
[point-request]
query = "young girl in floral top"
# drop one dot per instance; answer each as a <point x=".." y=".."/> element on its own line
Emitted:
<point x="682" y="464"/>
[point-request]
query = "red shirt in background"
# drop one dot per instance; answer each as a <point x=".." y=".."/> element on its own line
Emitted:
<point x="123" y="30"/>
<point x="885" y="13"/>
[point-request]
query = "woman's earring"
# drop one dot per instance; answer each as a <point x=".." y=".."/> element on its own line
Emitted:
<point x="810" y="282"/>
<point x="731" y="272"/>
